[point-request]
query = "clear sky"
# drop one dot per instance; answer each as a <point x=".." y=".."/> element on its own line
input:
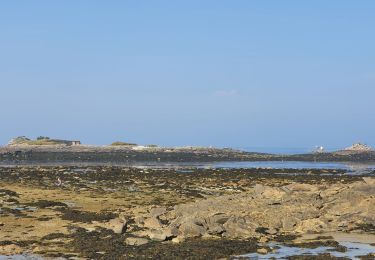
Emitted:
<point x="199" y="72"/>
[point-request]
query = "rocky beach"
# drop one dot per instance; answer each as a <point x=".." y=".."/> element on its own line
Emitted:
<point x="105" y="212"/>
<point x="59" y="200"/>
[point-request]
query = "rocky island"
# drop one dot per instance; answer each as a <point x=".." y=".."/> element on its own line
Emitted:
<point x="44" y="149"/>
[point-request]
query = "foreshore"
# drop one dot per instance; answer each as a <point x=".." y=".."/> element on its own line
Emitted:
<point x="129" y="213"/>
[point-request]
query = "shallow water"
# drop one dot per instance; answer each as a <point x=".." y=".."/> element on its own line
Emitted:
<point x="280" y="251"/>
<point x="283" y="252"/>
<point x="293" y="165"/>
<point x="20" y="208"/>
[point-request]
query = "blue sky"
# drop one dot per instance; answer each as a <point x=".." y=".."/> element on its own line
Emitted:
<point x="224" y="73"/>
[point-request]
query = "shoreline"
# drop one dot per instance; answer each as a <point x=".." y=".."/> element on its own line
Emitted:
<point x="125" y="154"/>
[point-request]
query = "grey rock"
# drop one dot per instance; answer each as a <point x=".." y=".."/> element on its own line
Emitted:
<point x="157" y="235"/>
<point x="289" y="222"/>
<point x="238" y="227"/>
<point x="216" y="230"/>
<point x="136" y="241"/>
<point x="156" y="212"/>
<point x="191" y="229"/>
<point x="139" y="220"/>
<point x="259" y="189"/>
<point x="118" y="225"/>
<point x="171" y="232"/>
<point x="271" y="231"/>
<point x="152" y="223"/>
<point x="218" y="218"/>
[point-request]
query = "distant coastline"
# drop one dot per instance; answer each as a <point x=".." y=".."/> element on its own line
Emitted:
<point x="44" y="149"/>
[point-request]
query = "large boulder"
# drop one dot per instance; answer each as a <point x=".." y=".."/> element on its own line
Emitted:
<point x="118" y="225"/>
<point x="152" y="223"/>
<point x="156" y="212"/>
<point x="239" y="227"/>
<point x="163" y="234"/>
<point x="192" y="229"/>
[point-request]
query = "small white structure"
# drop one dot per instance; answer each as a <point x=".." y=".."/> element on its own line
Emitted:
<point x="75" y="143"/>
<point x="319" y="149"/>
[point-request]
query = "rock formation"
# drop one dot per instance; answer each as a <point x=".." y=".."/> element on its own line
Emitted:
<point x="268" y="211"/>
<point x="359" y="147"/>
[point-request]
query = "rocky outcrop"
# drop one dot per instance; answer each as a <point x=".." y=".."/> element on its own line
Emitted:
<point x="269" y="211"/>
<point x="358" y="147"/>
<point x="117" y="225"/>
<point x="40" y="141"/>
<point x="18" y="140"/>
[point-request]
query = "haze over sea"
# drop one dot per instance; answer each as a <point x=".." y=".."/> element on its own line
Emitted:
<point x="285" y="150"/>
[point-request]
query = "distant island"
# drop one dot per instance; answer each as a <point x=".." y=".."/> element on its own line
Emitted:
<point x="45" y="140"/>
<point x="41" y="140"/>
<point x="46" y="149"/>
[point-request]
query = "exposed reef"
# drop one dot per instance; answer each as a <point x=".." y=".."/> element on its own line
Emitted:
<point x="128" y="213"/>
